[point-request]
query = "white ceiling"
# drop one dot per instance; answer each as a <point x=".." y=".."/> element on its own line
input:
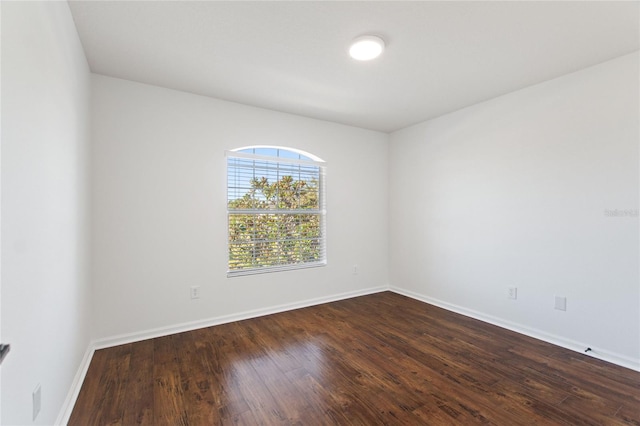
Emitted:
<point x="292" y="56"/>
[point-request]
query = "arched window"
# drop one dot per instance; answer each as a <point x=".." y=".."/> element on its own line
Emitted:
<point x="275" y="210"/>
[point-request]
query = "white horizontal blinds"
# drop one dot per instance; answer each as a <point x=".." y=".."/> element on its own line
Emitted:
<point x="254" y="181"/>
<point x="275" y="211"/>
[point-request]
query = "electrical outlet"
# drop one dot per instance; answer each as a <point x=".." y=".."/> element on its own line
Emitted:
<point x="355" y="270"/>
<point x="513" y="293"/>
<point x="195" y="292"/>
<point x="36" y="397"/>
<point x="561" y="303"/>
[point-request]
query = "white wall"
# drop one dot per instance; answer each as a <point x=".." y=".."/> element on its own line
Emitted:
<point x="513" y="192"/>
<point x="159" y="211"/>
<point x="45" y="295"/>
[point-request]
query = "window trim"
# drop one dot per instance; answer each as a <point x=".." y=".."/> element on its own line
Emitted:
<point x="321" y="211"/>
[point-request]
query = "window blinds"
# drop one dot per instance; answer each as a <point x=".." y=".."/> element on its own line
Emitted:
<point x="276" y="215"/>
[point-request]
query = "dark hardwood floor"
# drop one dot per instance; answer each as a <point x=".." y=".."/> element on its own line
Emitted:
<point x="378" y="359"/>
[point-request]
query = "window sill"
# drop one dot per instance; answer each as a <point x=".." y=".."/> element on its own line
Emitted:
<point x="268" y="270"/>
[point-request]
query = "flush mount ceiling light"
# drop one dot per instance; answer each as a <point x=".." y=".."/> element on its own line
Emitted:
<point x="366" y="47"/>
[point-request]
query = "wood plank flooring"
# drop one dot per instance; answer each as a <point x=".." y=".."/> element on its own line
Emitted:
<point x="371" y="360"/>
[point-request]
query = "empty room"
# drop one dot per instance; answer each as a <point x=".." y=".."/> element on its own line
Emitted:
<point x="317" y="213"/>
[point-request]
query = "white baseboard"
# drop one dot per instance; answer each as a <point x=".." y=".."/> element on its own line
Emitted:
<point x="194" y="325"/>
<point x="74" y="391"/>
<point x="618" y="359"/>
<point x="76" y="385"/>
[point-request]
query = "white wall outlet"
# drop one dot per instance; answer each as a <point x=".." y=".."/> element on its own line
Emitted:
<point x="355" y="270"/>
<point x="36" y="397"/>
<point x="513" y="293"/>
<point x="195" y="292"/>
<point x="561" y="303"/>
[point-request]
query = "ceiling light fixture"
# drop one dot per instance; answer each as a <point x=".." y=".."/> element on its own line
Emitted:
<point x="366" y="47"/>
